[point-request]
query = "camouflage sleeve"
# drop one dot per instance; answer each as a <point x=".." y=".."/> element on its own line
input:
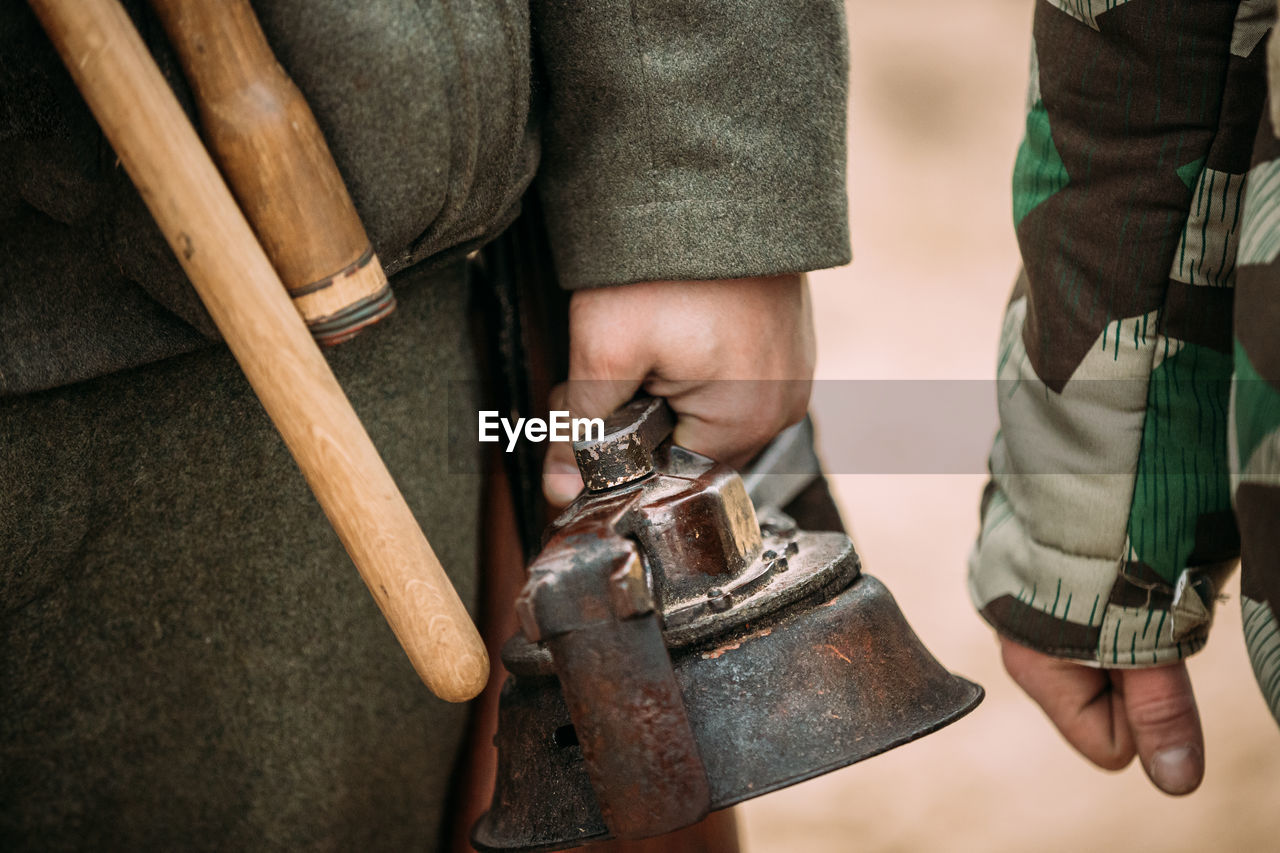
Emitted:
<point x="1255" y="402"/>
<point x="1107" y="527"/>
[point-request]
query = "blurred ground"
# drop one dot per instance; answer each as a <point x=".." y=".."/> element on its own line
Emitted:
<point x="937" y="109"/>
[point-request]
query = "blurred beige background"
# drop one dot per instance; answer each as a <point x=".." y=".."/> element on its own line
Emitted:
<point x="936" y="116"/>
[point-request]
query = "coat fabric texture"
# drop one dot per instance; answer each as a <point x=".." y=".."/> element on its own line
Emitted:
<point x="669" y="141"/>
<point x="188" y="659"/>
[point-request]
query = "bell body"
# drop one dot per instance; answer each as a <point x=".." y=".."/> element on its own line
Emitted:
<point x="821" y="687"/>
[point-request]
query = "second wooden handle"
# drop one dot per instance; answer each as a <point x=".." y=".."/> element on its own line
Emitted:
<point x="271" y="151"/>
<point x="182" y="188"/>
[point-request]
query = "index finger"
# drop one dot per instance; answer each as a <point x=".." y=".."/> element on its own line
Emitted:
<point x="1078" y="700"/>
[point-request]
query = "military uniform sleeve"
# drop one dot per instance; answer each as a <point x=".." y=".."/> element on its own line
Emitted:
<point x="1107" y="527"/>
<point x="687" y="140"/>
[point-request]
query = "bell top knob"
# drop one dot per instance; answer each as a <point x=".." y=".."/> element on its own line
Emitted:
<point x="624" y="453"/>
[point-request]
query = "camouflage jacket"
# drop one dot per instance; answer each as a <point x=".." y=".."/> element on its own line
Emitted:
<point x="1139" y="365"/>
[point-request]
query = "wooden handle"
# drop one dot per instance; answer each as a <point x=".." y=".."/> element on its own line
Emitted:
<point x="160" y="150"/>
<point x="270" y="149"/>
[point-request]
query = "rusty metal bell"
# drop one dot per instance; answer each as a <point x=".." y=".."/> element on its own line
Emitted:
<point x="681" y="653"/>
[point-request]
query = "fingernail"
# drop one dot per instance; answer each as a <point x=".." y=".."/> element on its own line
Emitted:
<point x="562" y="482"/>
<point x="1177" y="770"/>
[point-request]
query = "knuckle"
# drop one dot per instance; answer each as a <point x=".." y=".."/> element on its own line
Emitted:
<point x="597" y="356"/>
<point x="1024" y="666"/>
<point x="1162" y="711"/>
<point x="706" y="353"/>
<point x="1014" y="664"/>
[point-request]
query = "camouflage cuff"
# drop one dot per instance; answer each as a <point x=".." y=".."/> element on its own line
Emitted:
<point x="1101" y="611"/>
<point x="1107" y="529"/>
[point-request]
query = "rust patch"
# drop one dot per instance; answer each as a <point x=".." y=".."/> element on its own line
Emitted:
<point x="712" y="655"/>
<point x="736" y="644"/>
<point x="838" y="653"/>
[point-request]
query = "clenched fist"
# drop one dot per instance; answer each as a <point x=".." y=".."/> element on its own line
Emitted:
<point x="734" y="358"/>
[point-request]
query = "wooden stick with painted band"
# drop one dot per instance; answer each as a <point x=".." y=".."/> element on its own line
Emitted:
<point x="181" y="186"/>
<point x="265" y="139"/>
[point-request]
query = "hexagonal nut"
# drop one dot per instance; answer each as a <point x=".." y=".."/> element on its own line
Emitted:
<point x="629" y="589"/>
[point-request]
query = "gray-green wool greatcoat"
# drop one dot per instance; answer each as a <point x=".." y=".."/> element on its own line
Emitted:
<point x="187" y="658"/>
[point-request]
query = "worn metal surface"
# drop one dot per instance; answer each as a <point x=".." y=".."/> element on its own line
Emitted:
<point x="676" y="658"/>
<point x="587" y="599"/>
<point x="624" y="453"/>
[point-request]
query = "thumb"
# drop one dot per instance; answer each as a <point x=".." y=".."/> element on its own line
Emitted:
<point x="583" y="398"/>
<point x="1162" y="714"/>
